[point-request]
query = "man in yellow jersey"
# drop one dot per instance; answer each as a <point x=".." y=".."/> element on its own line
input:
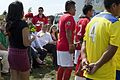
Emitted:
<point x="102" y="38"/>
<point x="117" y="57"/>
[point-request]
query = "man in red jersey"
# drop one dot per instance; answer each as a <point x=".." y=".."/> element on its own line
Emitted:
<point x="39" y="19"/>
<point x="79" y="34"/>
<point x="65" y="46"/>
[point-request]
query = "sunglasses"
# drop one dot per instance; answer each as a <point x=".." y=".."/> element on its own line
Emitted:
<point x="54" y="28"/>
<point x="40" y="10"/>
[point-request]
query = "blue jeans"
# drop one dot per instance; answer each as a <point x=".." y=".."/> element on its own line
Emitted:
<point x="117" y="75"/>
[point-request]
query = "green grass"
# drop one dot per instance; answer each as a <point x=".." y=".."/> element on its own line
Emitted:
<point x="44" y="72"/>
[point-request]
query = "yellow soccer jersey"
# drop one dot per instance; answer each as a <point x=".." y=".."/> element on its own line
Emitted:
<point x="102" y="30"/>
<point x="117" y="57"/>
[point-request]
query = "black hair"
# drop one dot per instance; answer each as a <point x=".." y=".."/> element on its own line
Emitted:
<point x="15" y="13"/>
<point x="68" y="5"/>
<point x="87" y="8"/>
<point x="108" y="3"/>
<point x="40" y="8"/>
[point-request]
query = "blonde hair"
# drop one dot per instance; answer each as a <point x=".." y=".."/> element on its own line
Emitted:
<point x="45" y="26"/>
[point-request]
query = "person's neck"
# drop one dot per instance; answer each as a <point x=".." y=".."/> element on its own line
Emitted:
<point x="88" y="16"/>
<point x="43" y="31"/>
<point x="53" y="33"/>
<point x="40" y="15"/>
<point x="110" y="11"/>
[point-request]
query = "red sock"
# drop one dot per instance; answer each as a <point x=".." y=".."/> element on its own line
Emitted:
<point x="60" y="73"/>
<point x="67" y="74"/>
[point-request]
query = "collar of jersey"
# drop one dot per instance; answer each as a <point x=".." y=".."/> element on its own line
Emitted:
<point x="105" y="12"/>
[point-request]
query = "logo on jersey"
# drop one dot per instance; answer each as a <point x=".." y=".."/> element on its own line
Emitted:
<point x="68" y="23"/>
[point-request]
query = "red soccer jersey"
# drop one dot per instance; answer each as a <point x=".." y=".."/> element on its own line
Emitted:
<point x="38" y="22"/>
<point x="65" y="22"/>
<point x="80" y="30"/>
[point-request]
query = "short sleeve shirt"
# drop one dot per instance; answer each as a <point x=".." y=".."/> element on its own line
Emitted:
<point x="65" y="22"/>
<point x="102" y="31"/>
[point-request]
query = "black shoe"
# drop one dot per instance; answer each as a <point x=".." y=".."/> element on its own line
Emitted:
<point x="5" y="74"/>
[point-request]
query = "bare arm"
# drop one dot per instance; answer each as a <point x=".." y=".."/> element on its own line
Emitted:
<point x="107" y="55"/>
<point x="26" y="35"/>
<point x="84" y="57"/>
<point x="69" y="38"/>
<point x="83" y="50"/>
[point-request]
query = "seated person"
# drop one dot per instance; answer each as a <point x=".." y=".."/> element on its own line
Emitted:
<point x="44" y="44"/>
<point x="36" y="54"/>
<point x="3" y="51"/>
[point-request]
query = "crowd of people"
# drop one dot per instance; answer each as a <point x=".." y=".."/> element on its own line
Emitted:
<point x="91" y="44"/>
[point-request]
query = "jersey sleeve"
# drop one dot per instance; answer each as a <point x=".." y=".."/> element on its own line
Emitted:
<point x="69" y="23"/>
<point x="86" y="33"/>
<point x="115" y="34"/>
<point x="24" y="24"/>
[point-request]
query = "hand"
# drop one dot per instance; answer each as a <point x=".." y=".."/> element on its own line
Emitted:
<point x="35" y="51"/>
<point x="84" y="62"/>
<point x="76" y="45"/>
<point x="85" y="65"/>
<point x="71" y="48"/>
<point x="44" y="49"/>
<point x="93" y="68"/>
<point x="33" y="37"/>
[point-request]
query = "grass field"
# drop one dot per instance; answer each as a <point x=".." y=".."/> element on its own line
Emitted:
<point x="44" y="72"/>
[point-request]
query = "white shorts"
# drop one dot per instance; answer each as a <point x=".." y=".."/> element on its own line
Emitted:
<point x="65" y="59"/>
<point x="77" y="53"/>
<point x="79" y="78"/>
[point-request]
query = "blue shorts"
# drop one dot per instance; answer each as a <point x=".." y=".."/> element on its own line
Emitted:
<point x="117" y="75"/>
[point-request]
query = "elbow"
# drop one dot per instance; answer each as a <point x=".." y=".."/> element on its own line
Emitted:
<point x="26" y="43"/>
<point x="113" y="50"/>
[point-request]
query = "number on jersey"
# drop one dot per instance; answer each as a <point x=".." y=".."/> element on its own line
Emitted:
<point x="80" y="30"/>
<point x="92" y="32"/>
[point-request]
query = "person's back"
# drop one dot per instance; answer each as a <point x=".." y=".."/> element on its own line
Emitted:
<point x="62" y="40"/>
<point x="101" y="42"/>
<point x="15" y="40"/>
<point x="18" y="34"/>
<point x="80" y="30"/>
<point x="65" y="46"/>
<point x="79" y="34"/>
<point x="117" y="58"/>
<point x="100" y="31"/>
